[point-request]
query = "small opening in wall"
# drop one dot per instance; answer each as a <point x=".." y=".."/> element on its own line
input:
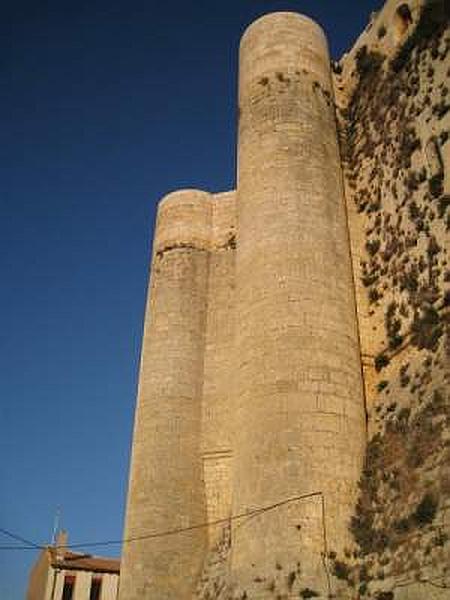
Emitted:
<point x="69" y="584"/>
<point x="402" y="20"/>
<point x="96" y="588"/>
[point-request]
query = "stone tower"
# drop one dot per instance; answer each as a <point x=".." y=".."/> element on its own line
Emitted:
<point x="299" y="401"/>
<point x="259" y="377"/>
<point x="166" y="485"/>
<point x="293" y="421"/>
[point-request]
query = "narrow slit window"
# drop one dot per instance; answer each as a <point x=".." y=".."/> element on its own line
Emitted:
<point x="69" y="585"/>
<point x="96" y="588"/>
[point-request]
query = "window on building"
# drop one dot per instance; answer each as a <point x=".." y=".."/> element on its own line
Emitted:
<point x="96" y="588"/>
<point x="69" y="585"/>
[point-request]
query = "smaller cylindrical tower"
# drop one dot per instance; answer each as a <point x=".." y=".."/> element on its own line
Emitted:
<point x="166" y="490"/>
<point x="299" y="409"/>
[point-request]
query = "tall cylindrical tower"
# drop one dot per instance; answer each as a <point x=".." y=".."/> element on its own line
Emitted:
<point x="300" y="414"/>
<point x="166" y="489"/>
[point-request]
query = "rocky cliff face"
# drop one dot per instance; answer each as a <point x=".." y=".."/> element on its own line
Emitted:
<point x="392" y="92"/>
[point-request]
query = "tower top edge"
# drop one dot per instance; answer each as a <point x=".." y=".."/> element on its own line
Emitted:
<point x="283" y="18"/>
<point x="184" y="195"/>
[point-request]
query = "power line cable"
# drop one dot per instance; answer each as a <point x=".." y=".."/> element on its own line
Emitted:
<point x="22" y="547"/>
<point x="31" y="546"/>
<point x="198" y="525"/>
<point x="19" y="538"/>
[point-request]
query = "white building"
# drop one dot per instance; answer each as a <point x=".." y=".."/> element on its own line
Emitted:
<point x="59" y="574"/>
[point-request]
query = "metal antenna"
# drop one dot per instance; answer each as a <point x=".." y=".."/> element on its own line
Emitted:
<point x="56" y="525"/>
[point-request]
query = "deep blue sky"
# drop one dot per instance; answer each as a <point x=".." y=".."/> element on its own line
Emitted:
<point x="106" y="107"/>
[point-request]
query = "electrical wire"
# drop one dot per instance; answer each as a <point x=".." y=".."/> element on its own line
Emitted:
<point x="19" y="538"/>
<point x="32" y="546"/>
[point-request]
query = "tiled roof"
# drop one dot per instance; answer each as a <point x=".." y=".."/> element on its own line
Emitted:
<point x="85" y="562"/>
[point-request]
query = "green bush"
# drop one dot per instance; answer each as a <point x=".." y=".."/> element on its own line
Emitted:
<point x="308" y="593"/>
<point x="385" y="596"/>
<point x="426" y="329"/>
<point x="426" y="510"/>
<point x="381" y="361"/>
<point x="341" y="570"/>
<point x="381" y="385"/>
<point x="372" y="246"/>
<point x="443" y="204"/>
<point x="368" y="63"/>
<point x="435" y="185"/>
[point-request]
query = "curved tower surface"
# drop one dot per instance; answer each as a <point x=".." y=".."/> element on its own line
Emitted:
<point x="260" y="283"/>
<point x="299" y="400"/>
<point x="166" y="482"/>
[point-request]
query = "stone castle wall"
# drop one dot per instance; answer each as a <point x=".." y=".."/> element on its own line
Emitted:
<point x="219" y="363"/>
<point x="394" y="115"/>
<point x="290" y="317"/>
